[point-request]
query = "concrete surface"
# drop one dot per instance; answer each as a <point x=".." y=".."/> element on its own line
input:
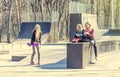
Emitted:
<point x="53" y="64"/>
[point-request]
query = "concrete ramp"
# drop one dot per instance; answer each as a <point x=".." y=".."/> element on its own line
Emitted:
<point x="113" y="32"/>
<point x="27" y="27"/>
<point x="44" y="38"/>
<point x="91" y="18"/>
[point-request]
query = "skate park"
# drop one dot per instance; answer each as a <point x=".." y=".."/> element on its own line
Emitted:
<point x="56" y="55"/>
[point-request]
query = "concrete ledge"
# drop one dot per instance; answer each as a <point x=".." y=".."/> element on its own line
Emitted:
<point x="79" y="55"/>
<point x="106" y="46"/>
<point x="4" y="52"/>
<point x="114" y="31"/>
<point x="18" y="58"/>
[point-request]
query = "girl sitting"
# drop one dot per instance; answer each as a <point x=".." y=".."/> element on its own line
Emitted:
<point x="78" y="34"/>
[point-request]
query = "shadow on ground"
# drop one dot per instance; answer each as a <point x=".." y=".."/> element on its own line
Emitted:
<point x="58" y="65"/>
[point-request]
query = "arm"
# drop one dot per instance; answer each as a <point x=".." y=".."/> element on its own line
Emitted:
<point x="40" y="38"/>
<point x="91" y="33"/>
<point x="32" y="37"/>
<point x="78" y="34"/>
<point x="75" y="33"/>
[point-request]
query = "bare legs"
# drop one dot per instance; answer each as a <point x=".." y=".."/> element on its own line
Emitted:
<point x="38" y="54"/>
<point x="33" y="54"/>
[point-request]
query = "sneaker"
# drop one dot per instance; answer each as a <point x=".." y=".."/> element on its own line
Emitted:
<point x="75" y="40"/>
<point x="32" y="63"/>
<point x="96" y="58"/>
<point x="38" y="63"/>
<point x="92" y="62"/>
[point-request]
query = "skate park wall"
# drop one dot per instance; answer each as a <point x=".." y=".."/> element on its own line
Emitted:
<point x="27" y="28"/>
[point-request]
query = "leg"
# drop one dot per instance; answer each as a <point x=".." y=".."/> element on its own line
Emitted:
<point x="91" y="53"/>
<point x="90" y="47"/>
<point x="38" y="51"/>
<point x="95" y="48"/>
<point x="32" y="56"/>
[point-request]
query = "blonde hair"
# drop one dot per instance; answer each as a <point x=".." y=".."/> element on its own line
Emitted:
<point x="79" y="27"/>
<point x="38" y="30"/>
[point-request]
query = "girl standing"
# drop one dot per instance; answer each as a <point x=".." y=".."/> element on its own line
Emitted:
<point x="36" y="41"/>
<point x="89" y="34"/>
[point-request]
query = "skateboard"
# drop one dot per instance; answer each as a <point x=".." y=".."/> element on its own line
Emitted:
<point x="35" y="44"/>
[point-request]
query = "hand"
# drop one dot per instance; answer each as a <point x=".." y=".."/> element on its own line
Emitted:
<point x="77" y="35"/>
<point x="86" y="33"/>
